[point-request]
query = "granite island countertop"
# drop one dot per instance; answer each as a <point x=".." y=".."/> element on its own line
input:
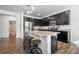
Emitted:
<point x="44" y="33"/>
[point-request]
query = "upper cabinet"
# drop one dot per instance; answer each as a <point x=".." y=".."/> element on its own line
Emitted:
<point x="35" y="22"/>
<point x="65" y="17"/>
<point x="53" y="18"/>
<point x="61" y="18"/>
<point x="41" y="22"/>
<point x="58" y="19"/>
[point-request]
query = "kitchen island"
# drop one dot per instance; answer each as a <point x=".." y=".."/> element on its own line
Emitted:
<point x="48" y="40"/>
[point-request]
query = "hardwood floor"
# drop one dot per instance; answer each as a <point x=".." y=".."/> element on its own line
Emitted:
<point x="10" y="46"/>
<point x="16" y="47"/>
<point x="66" y="48"/>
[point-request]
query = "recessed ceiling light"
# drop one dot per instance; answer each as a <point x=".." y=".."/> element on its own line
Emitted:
<point x="29" y="12"/>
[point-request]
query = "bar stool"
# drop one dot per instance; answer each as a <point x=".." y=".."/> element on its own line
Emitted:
<point x="34" y="48"/>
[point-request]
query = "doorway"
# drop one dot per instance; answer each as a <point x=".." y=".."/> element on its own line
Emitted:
<point x="12" y="36"/>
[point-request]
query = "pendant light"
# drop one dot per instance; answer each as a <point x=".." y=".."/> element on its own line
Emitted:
<point x="30" y="9"/>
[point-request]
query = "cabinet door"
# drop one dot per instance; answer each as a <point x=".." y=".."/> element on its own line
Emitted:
<point x="63" y="37"/>
<point x="53" y="44"/>
<point x="59" y="19"/>
<point x="47" y="23"/>
<point x="35" y="22"/>
<point x="41" y="22"/>
<point x="65" y="17"/>
<point x="53" y="18"/>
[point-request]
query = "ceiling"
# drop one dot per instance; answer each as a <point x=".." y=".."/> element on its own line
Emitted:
<point x="43" y="10"/>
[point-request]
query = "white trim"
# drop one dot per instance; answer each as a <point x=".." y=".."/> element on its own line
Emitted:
<point x="49" y="44"/>
<point x="8" y="12"/>
<point x="32" y="17"/>
<point x="22" y="29"/>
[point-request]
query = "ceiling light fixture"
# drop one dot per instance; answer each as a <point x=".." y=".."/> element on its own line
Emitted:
<point x="30" y="9"/>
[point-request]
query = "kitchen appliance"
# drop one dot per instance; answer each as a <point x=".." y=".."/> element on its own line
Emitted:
<point x="53" y="26"/>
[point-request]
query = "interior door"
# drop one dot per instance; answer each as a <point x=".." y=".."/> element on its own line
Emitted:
<point x="12" y="35"/>
<point x="12" y="29"/>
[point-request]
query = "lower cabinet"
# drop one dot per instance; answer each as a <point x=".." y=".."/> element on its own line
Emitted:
<point x="53" y="44"/>
<point x="63" y="36"/>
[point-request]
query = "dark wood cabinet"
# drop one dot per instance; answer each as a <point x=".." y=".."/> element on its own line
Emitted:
<point x="53" y="18"/>
<point x="57" y="18"/>
<point x="65" y="17"/>
<point x="35" y="22"/>
<point x="61" y="18"/>
<point x="41" y="22"/>
<point x="63" y="36"/>
<point x="53" y="44"/>
<point x="45" y="21"/>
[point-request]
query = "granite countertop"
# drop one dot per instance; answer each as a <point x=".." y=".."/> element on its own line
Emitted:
<point x="44" y="33"/>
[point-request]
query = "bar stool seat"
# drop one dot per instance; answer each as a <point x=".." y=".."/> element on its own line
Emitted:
<point x="36" y="41"/>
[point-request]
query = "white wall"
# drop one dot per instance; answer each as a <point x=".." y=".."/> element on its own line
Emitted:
<point x="18" y="26"/>
<point x="74" y="18"/>
<point x="4" y="25"/>
<point x="20" y="23"/>
<point x="9" y="15"/>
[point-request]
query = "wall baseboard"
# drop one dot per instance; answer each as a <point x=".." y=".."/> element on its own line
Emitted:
<point x="4" y="38"/>
<point x="8" y="38"/>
